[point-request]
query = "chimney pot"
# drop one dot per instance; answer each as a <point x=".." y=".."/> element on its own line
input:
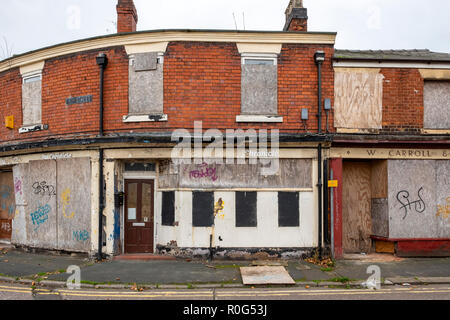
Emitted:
<point x="127" y="16"/>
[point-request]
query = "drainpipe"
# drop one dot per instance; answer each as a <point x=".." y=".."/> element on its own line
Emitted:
<point x="319" y="58"/>
<point x="102" y="62"/>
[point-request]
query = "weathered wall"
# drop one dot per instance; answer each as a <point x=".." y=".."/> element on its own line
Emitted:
<point x="416" y="189"/>
<point x="54" y="204"/>
<point x="379" y="194"/>
<point x="266" y="234"/>
<point x="293" y="173"/>
<point x="437" y="105"/>
<point x="74" y="203"/>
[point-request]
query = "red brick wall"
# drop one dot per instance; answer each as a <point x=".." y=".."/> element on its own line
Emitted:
<point x="402" y="100"/>
<point x="10" y="102"/>
<point x="298" y="25"/>
<point x="202" y="82"/>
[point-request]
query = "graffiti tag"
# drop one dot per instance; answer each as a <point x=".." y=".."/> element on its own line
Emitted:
<point x="41" y="188"/>
<point x="18" y="186"/>
<point x="218" y="209"/>
<point x="81" y="235"/>
<point x="403" y="198"/>
<point x="65" y="196"/>
<point x="204" y="171"/>
<point x="40" y="216"/>
<point x="444" y="211"/>
<point x="6" y="227"/>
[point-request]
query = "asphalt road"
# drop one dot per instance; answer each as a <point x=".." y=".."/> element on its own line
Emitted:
<point x="435" y="292"/>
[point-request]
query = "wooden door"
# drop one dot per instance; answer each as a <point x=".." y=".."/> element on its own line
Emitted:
<point x="356" y="207"/>
<point x="139" y="216"/>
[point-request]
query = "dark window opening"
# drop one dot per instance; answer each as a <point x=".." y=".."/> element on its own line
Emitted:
<point x="168" y="208"/>
<point x="202" y="209"/>
<point x="288" y="209"/>
<point x="246" y="213"/>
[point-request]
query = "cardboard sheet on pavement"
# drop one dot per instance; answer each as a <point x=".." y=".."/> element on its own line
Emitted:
<point x="265" y="275"/>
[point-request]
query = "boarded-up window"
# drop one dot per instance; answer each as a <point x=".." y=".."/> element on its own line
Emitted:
<point x="259" y="87"/>
<point x="202" y="209"/>
<point x="358" y="99"/>
<point x="146" y="84"/>
<point x="32" y="101"/>
<point x="168" y="208"/>
<point x="246" y="209"/>
<point x="288" y="209"/>
<point x="437" y="105"/>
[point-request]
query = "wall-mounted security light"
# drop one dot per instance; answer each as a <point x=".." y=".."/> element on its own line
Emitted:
<point x="319" y="56"/>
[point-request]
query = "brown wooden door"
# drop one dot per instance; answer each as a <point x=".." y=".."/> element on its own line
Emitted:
<point x="356" y="207"/>
<point x="139" y="204"/>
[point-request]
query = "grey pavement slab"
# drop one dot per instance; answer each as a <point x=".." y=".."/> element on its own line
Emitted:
<point x="155" y="272"/>
<point x="308" y="272"/>
<point x="419" y="267"/>
<point x="16" y="263"/>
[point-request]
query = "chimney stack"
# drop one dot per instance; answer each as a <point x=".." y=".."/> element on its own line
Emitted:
<point x="127" y="17"/>
<point x="296" y="17"/>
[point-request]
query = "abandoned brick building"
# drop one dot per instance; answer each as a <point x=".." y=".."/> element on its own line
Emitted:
<point x="87" y="160"/>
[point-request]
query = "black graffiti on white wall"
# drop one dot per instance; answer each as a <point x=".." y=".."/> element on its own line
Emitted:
<point x="43" y="189"/>
<point x="408" y="205"/>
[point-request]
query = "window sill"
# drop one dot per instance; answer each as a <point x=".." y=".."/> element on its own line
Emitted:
<point x="259" y="118"/>
<point x="358" y="131"/>
<point x="145" y="118"/>
<point x="33" y="128"/>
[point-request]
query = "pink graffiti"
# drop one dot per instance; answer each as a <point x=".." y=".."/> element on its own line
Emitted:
<point x="204" y="171"/>
<point x="18" y="186"/>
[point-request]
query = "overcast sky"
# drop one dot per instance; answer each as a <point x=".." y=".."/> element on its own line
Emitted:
<point x="361" y="24"/>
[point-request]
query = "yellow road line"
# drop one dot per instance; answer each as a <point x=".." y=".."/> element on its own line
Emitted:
<point x="135" y="296"/>
<point x="326" y="293"/>
<point x="17" y="291"/>
<point x="134" y="293"/>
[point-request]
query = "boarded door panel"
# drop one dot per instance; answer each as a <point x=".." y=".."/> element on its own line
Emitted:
<point x="358" y="99"/>
<point x="139" y="215"/>
<point x="7" y="204"/>
<point x="356" y="211"/>
<point x="74" y="204"/>
<point x="41" y="209"/>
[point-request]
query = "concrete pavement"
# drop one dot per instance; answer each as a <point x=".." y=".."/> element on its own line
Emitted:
<point x="49" y="270"/>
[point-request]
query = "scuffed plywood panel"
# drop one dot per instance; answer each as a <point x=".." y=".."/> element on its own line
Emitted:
<point x="260" y="89"/>
<point x="265" y="275"/>
<point x="379" y="179"/>
<point x="293" y="173"/>
<point x="437" y="105"/>
<point x="413" y="200"/>
<point x="74" y="204"/>
<point x="41" y="210"/>
<point x="380" y="217"/>
<point x="443" y="197"/>
<point x="356" y="207"/>
<point x="19" y="232"/>
<point x="358" y="99"/>
<point x="31" y="103"/>
<point x="146" y="91"/>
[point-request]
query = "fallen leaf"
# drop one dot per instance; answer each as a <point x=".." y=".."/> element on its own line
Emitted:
<point x="5" y="260"/>
<point x="117" y="279"/>
<point x="307" y="287"/>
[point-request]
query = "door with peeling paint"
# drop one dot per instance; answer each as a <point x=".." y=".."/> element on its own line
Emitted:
<point x="7" y="204"/>
<point x="139" y="216"/>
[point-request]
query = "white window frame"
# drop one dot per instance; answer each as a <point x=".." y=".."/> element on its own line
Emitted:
<point x="29" y="77"/>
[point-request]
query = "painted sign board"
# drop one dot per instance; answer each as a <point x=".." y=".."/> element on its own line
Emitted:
<point x="332" y="183"/>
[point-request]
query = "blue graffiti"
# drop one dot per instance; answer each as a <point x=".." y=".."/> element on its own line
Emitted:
<point x="40" y="216"/>
<point x="5" y="192"/>
<point x="116" y="232"/>
<point x="81" y="235"/>
<point x="11" y="210"/>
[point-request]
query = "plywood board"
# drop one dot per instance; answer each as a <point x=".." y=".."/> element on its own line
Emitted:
<point x="384" y="246"/>
<point x="437" y="105"/>
<point x="356" y="207"/>
<point x="379" y="179"/>
<point x="265" y="275"/>
<point x="358" y="100"/>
